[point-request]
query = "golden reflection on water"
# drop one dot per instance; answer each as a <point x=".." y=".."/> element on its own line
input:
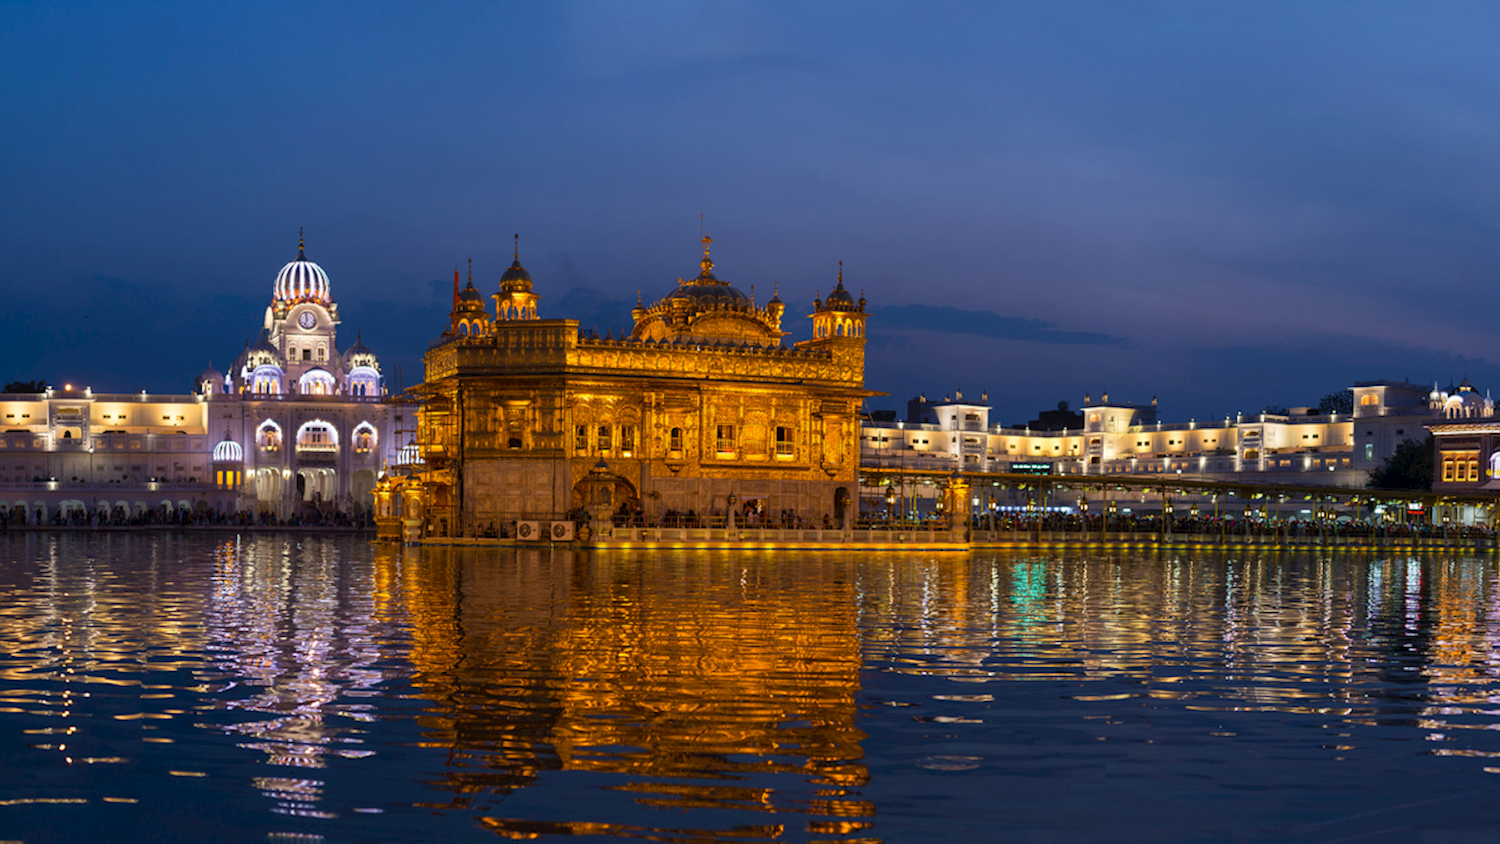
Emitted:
<point x="707" y="670"/>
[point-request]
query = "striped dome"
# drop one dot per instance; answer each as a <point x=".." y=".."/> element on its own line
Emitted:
<point x="228" y="451"/>
<point x="302" y="281"/>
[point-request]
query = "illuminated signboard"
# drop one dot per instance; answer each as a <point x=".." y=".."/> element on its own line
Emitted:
<point x="1031" y="468"/>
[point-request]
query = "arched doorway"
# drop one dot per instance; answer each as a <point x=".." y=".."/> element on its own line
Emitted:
<point x="316" y="485"/>
<point x="841" y="506"/>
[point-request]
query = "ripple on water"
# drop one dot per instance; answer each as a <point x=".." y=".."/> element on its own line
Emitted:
<point x="304" y="687"/>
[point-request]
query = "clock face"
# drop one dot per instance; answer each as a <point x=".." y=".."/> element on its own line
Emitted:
<point x="307" y="320"/>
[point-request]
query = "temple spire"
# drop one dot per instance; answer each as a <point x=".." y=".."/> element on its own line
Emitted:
<point x="301" y="256"/>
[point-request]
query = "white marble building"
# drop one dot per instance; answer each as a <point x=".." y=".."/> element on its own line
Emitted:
<point x="295" y="425"/>
<point x="1121" y="439"/>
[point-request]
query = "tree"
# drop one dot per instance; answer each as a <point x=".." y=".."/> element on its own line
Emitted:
<point x="1410" y="467"/>
<point x="26" y="386"/>
<point x="1340" y="402"/>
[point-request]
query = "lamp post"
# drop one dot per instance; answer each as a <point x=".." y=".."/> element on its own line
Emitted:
<point x="890" y="503"/>
<point x="1083" y="510"/>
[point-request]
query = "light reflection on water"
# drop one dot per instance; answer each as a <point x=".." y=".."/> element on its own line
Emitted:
<point x="162" y="687"/>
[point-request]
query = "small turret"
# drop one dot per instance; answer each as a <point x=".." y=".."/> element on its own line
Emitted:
<point x="840" y="316"/>
<point x="515" y="299"/>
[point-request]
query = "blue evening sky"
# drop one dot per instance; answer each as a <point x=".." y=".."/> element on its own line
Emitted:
<point x="1223" y="205"/>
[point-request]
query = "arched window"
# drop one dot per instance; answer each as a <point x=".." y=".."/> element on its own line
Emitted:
<point x="463" y="329"/>
<point x="317" y="436"/>
<point x="364" y="381"/>
<point x="266" y="380"/>
<point x="268" y="436"/>
<point x="317" y="382"/>
<point x="364" y="438"/>
<point x="674" y="440"/>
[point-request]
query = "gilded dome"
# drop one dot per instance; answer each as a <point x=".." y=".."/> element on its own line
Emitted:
<point x="840" y="299"/>
<point x="707" y="290"/>
<point x="516" y="279"/>
<point x="707" y="309"/>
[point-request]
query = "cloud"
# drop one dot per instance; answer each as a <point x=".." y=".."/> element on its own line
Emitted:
<point x="984" y="324"/>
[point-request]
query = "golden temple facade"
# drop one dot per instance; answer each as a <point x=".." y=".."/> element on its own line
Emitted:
<point x="702" y="413"/>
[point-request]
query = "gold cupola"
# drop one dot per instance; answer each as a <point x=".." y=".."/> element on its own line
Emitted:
<point x="840" y="315"/>
<point x="707" y="310"/>
<point x="515" y="299"/>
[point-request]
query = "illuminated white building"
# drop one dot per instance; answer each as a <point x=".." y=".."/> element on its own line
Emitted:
<point x="294" y="423"/>
<point x="1467" y="449"/>
<point x="1123" y="439"/>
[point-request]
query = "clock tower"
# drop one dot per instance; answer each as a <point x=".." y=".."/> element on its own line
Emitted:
<point x="302" y="324"/>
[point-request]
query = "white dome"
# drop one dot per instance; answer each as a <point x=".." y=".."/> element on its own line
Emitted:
<point x="1465" y="404"/>
<point x="229" y="451"/>
<point x="302" y="281"/>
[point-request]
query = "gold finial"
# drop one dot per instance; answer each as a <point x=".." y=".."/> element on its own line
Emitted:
<point x="518" y="247"/>
<point x="300" y="255"/>
<point x="841" y="273"/>
<point x="638" y="298"/>
<point x="471" y="272"/>
<point x="706" y="263"/>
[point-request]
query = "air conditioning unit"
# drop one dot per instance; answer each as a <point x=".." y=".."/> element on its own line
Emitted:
<point x="562" y="531"/>
<point x="528" y="531"/>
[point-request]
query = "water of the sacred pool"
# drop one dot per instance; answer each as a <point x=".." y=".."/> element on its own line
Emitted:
<point x="284" y="687"/>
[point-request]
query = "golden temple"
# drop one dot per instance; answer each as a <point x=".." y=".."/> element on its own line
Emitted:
<point x="703" y="411"/>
